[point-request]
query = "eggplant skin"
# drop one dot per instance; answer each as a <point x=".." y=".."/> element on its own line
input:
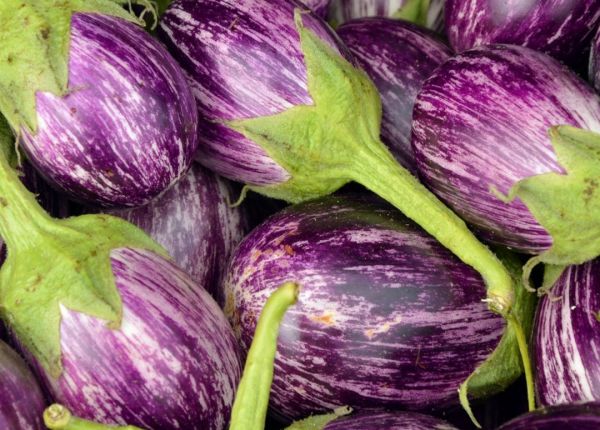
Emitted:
<point x="567" y="338"/>
<point x="195" y="223"/>
<point x="243" y="59"/>
<point x="319" y="7"/>
<point x="580" y="416"/>
<point x="375" y="420"/>
<point x="172" y="364"/>
<point x="560" y="28"/>
<point x="398" y="56"/>
<point x="127" y="130"/>
<point x="482" y="120"/>
<point x="386" y="316"/>
<point x="21" y="400"/>
<point x="594" y="66"/>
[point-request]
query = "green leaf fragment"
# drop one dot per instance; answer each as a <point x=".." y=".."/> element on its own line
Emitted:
<point x="34" y="52"/>
<point x="318" y="422"/>
<point x="414" y="11"/>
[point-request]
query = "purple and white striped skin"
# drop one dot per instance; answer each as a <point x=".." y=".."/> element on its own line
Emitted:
<point x="594" y="66"/>
<point x="388" y="421"/>
<point x="319" y="7"/>
<point x="386" y="317"/>
<point x="561" y="28"/>
<point x="341" y="11"/>
<point x="195" y="223"/>
<point x="398" y="57"/>
<point x="244" y="60"/>
<point x="127" y="130"/>
<point x="482" y="120"/>
<point x="585" y="416"/>
<point x="172" y="364"/>
<point x="21" y="400"/>
<point x="567" y="340"/>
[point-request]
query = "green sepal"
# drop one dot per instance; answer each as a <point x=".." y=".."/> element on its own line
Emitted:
<point x="566" y="205"/>
<point x="34" y="52"/>
<point x="318" y="422"/>
<point x="414" y="11"/>
<point x="56" y="262"/>
<point x="314" y="142"/>
<point x="57" y="417"/>
<point x="505" y="364"/>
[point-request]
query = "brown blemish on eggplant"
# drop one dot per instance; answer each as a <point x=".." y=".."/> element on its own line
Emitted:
<point x="289" y="250"/>
<point x="326" y="319"/>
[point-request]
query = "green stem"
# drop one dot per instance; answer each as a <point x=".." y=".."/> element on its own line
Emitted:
<point x="57" y="417"/>
<point x="376" y="169"/>
<point x="522" y="341"/>
<point x="20" y="213"/>
<point x="252" y="398"/>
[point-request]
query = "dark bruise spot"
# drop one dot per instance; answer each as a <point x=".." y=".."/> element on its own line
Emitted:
<point x="109" y="173"/>
<point x="3" y="202"/>
<point x="590" y="189"/>
<point x="140" y="84"/>
<point x="73" y="111"/>
<point x="45" y="32"/>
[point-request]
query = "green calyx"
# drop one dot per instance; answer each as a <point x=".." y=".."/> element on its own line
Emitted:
<point x="566" y="205"/>
<point x="34" y="53"/>
<point x="414" y="11"/>
<point x="508" y="361"/>
<point x="252" y="397"/>
<point x="318" y="422"/>
<point x="51" y="263"/>
<point x="57" y="417"/>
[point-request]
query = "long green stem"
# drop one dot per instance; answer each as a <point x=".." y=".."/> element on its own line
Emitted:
<point x="252" y="398"/>
<point x="376" y="169"/>
<point x="522" y="341"/>
<point x="57" y="417"/>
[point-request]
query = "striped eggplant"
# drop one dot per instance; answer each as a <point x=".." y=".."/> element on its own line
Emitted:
<point x="481" y="122"/>
<point x="125" y="129"/>
<point x="22" y="401"/>
<point x="194" y="221"/>
<point x="398" y="56"/>
<point x="594" y="66"/>
<point x="341" y="11"/>
<point x="385" y="317"/>
<point x="374" y="420"/>
<point x="172" y="364"/>
<point x="287" y="112"/>
<point x="582" y="416"/>
<point x="319" y="7"/>
<point x="561" y="28"/>
<point x="567" y="339"/>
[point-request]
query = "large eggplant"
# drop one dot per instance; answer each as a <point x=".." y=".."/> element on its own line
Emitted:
<point x="398" y="56"/>
<point x="195" y="222"/>
<point x="125" y="129"/>
<point x="561" y="28"/>
<point x="481" y="122"/>
<point x="386" y="316"/>
<point x="374" y="420"/>
<point x="567" y="339"/>
<point x="583" y="416"/>
<point x="22" y="402"/>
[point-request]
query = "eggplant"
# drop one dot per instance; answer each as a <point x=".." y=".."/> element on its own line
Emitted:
<point x="319" y="7"/>
<point x="386" y="316"/>
<point x="124" y="129"/>
<point x="194" y="221"/>
<point x="562" y="29"/>
<point x="288" y="113"/>
<point x="583" y="416"/>
<point x="374" y="420"/>
<point x="594" y="65"/>
<point x="481" y="138"/>
<point x="341" y="11"/>
<point x="398" y="56"/>
<point x="22" y="402"/>
<point x="566" y="338"/>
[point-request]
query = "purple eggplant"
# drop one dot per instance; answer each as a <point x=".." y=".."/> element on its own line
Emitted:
<point x="567" y="338"/>
<point x="561" y="28"/>
<point x="375" y="420"/>
<point x="22" y="401"/>
<point x="127" y="129"/>
<point x="398" y="56"/>
<point x="386" y="316"/>
<point x="583" y="416"/>
<point x="194" y="221"/>
<point x="341" y="11"/>
<point x="319" y="7"/>
<point x="594" y="66"/>
<point x="481" y="122"/>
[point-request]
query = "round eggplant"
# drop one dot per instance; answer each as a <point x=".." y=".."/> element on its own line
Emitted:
<point x="585" y="416"/>
<point x="561" y="28"/>
<point x="127" y="129"/>
<point x="567" y="339"/>
<point x="385" y="317"/>
<point x="481" y="122"/>
<point x="194" y="221"/>
<point x="21" y="400"/>
<point x="398" y="56"/>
